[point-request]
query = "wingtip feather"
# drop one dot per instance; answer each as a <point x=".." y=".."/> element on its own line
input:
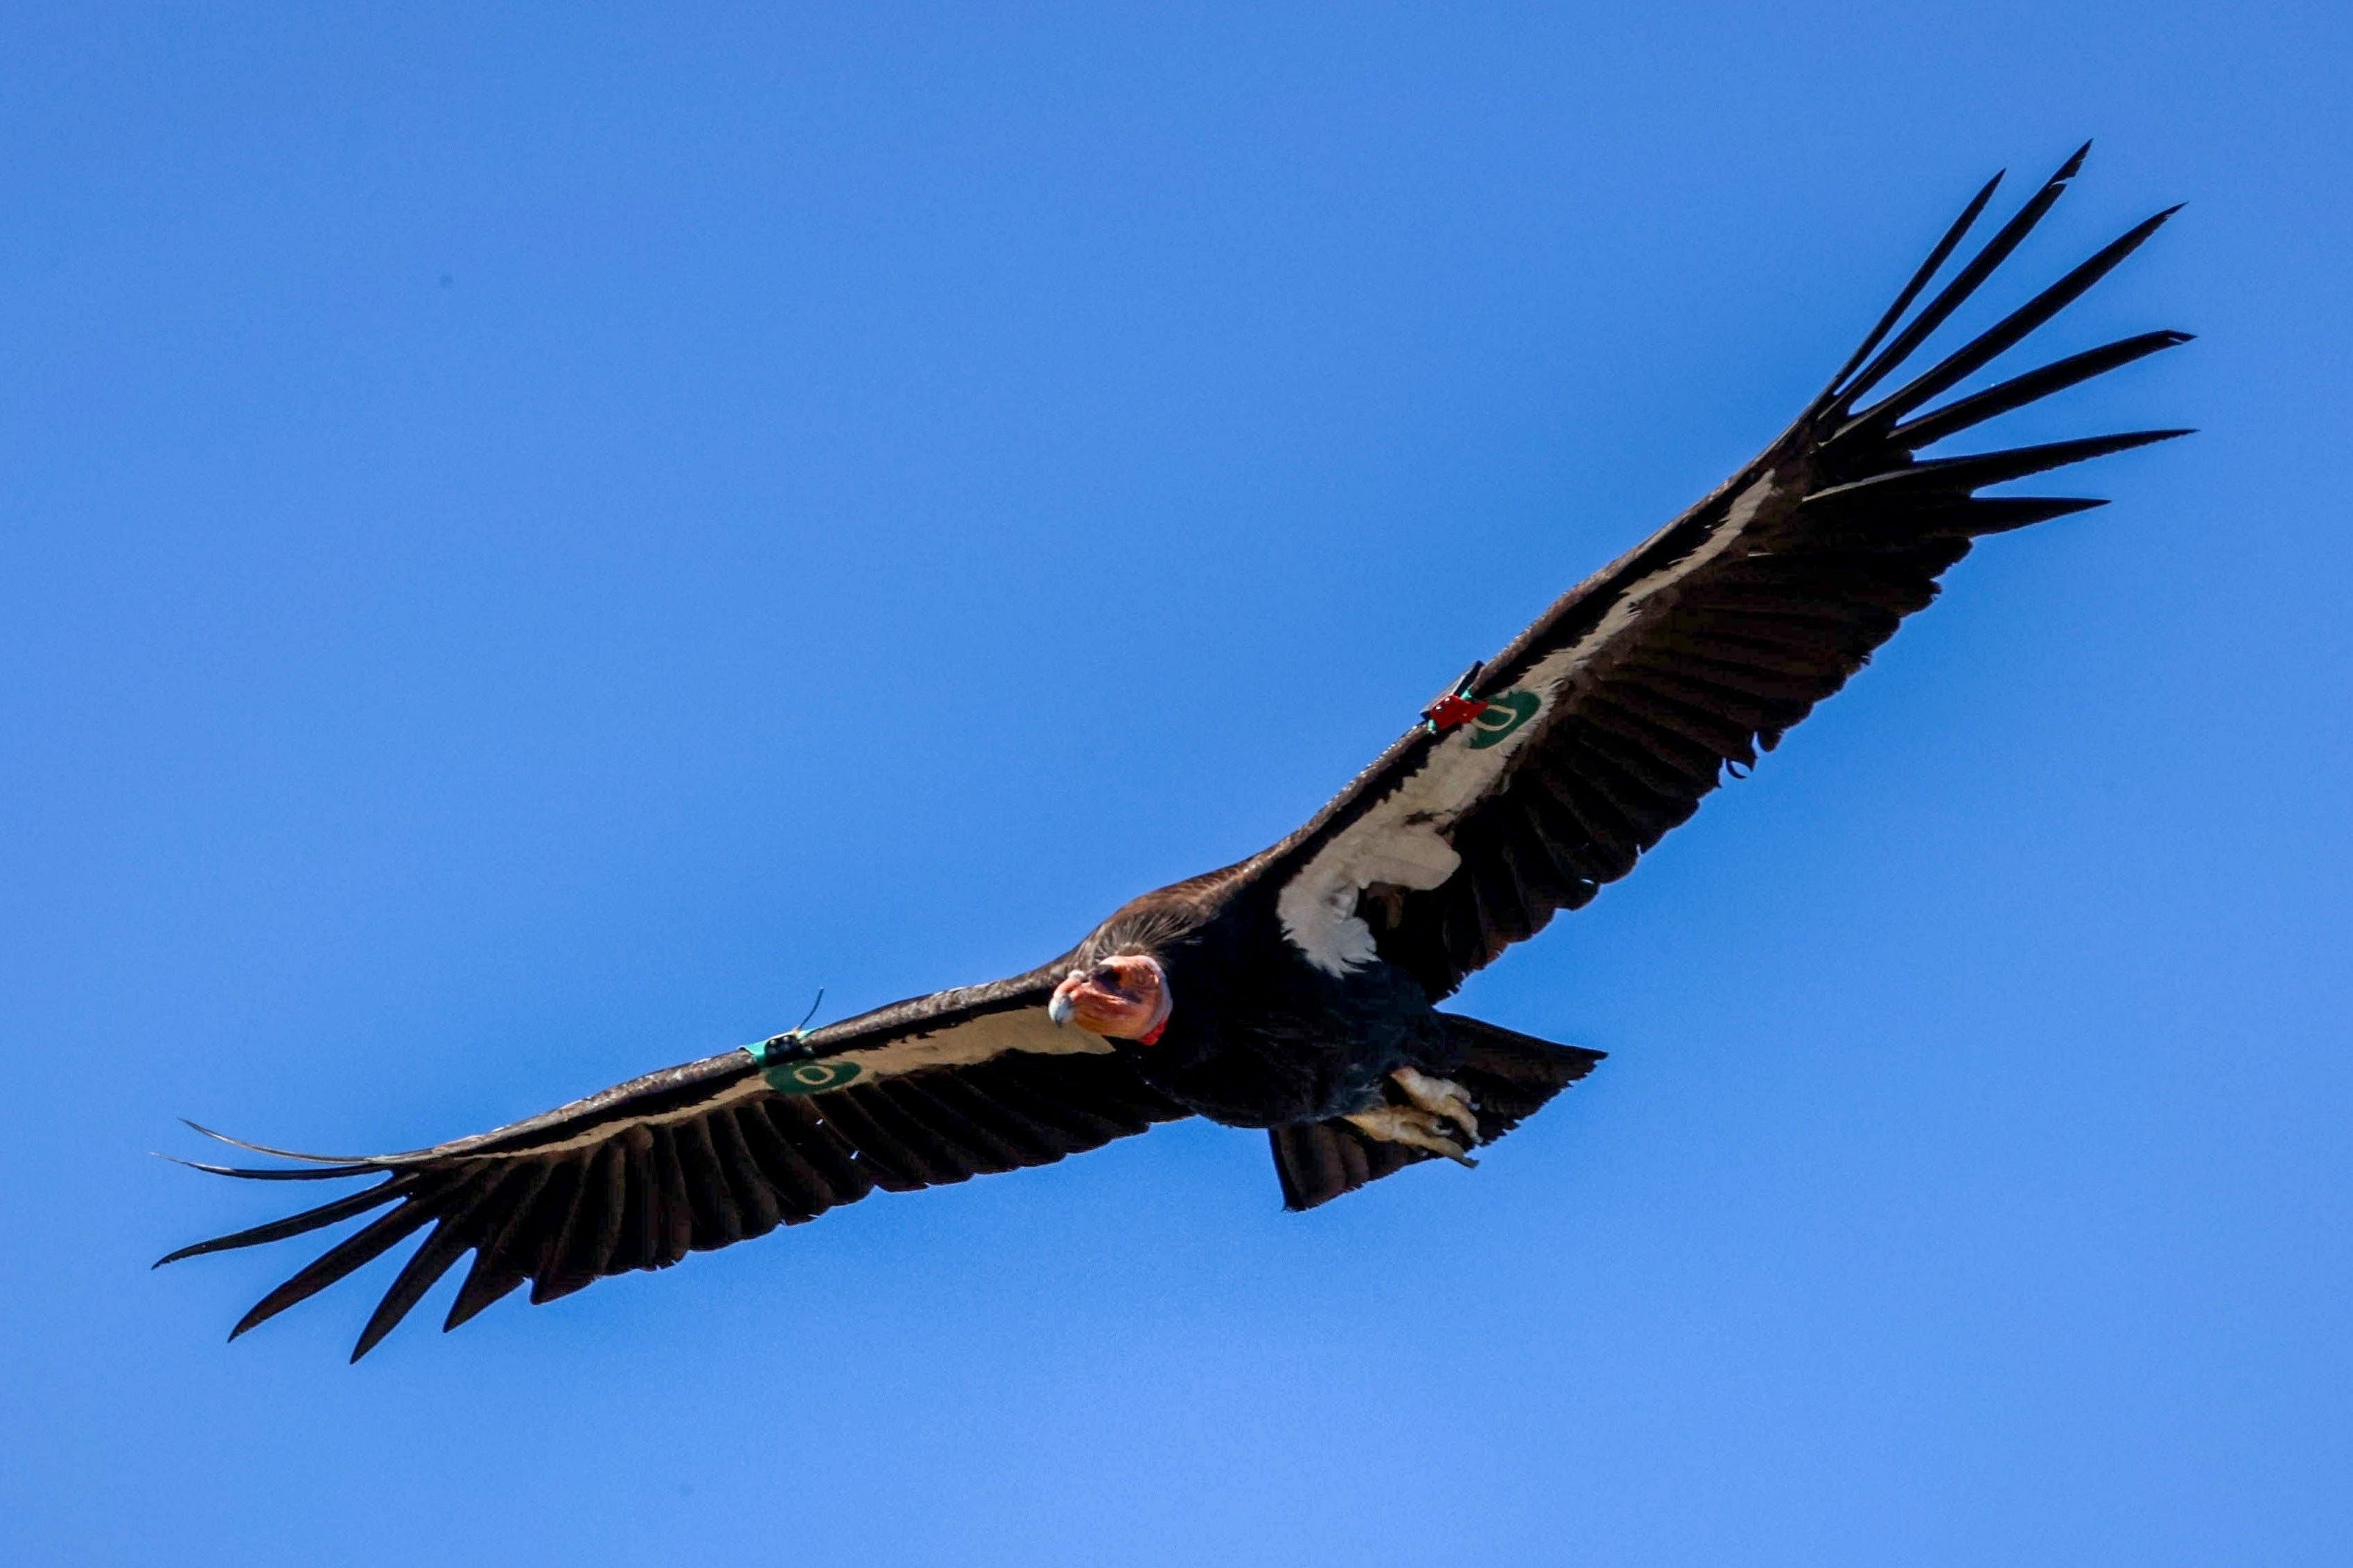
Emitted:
<point x="1847" y="390"/>
<point x="258" y="1173"/>
<point x="266" y="1149"/>
<point x="1920" y="278"/>
<point x="193" y="1250"/>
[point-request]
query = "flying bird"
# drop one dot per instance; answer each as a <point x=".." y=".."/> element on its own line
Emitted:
<point x="1297" y="991"/>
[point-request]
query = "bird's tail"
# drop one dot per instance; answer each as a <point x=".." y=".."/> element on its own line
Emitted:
<point x="1509" y="1077"/>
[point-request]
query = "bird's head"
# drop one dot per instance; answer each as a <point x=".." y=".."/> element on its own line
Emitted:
<point x="1123" y="997"/>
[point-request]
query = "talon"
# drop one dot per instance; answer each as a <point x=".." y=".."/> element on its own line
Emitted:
<point x="1439" y="1097"/>
<point x="1414" y="1128"/>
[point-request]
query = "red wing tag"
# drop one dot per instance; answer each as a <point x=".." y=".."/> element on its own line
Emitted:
<point x="1452" y="712"/>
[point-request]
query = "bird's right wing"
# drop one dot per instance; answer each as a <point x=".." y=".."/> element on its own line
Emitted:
<point x="1551" y="766"/>
<point x="929" y="1091"/>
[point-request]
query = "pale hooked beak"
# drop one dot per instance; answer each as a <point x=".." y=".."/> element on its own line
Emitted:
<point x="1123" y="997"/>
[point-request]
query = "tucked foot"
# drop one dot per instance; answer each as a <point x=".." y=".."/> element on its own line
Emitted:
<point x="1440" y="1097"/>
<point x="1411" y="1126"/>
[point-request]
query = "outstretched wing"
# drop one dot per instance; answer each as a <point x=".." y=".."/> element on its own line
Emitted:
<point x="1548" y="771"/>
<point x="930" y="1091"/>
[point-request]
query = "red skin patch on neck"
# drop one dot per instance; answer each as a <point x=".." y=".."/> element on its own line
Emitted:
<point x="1111" y="1011"/>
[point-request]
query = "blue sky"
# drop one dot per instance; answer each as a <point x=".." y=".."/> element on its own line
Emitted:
<point x="535" y="541"/>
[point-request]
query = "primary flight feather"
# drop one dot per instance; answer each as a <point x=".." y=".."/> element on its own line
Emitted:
<point x="1296" y="991"/>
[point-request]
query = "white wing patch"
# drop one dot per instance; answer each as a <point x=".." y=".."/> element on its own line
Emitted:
<point x="1402" y="840"/>
<point x="980" y="1039"/>
<point x="977" y="1039"/>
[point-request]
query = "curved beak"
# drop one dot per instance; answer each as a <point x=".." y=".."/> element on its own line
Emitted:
<point x="1123" y="997"/>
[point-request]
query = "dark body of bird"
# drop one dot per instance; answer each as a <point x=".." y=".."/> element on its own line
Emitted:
<point x="1296" y="991"/>
<point x="1264" y="1038"/>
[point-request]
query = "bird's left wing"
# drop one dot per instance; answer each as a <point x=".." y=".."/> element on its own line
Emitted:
<point x="1547" y="770"/>
<point x="929" y="1091"/>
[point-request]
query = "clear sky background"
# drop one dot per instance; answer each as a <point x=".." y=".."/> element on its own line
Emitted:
<point x="534" y="541"/>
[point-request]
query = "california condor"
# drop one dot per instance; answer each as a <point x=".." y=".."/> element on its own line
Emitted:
<point x="1297" y="990"/>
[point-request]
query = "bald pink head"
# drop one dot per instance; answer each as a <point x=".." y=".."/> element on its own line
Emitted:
<point x="1124" y="997"/>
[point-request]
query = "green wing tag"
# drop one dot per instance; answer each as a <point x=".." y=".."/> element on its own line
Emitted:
<point x="811" y="1078"/>
<point x="1503" y="715"/>
<point x="787" y="1072"/>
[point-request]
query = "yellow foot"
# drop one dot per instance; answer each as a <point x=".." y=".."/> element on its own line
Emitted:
<point x="1439" y="1097"/>
<point x="1411" y="1126"/>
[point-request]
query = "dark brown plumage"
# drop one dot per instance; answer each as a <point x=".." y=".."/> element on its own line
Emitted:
<point x="1295" y="991"/>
